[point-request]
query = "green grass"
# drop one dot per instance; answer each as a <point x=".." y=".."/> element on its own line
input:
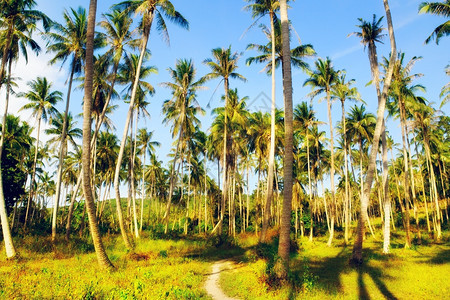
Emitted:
<point x="159" y="269"/>
<point x="321" y="272"/>
<point x="178" y="268"/>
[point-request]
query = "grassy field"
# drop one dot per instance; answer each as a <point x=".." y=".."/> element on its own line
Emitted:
<point x="321" y="272"/>
<point x="178" y="268"/>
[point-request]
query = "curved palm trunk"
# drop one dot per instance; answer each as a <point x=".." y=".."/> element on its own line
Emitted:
<point x="357" y="247"/>
<point x="269" y="193"/>
<point x="102" y="258"/>
<point x="406" y="175"/>
<point x="33" y="173"/>
<point x="133" y="188"/>
<point x="282" y="266"/>
<point x="62" y="146"/>
<point x="124" y="136"/>
<point x="346" y="198"/>
<point x="9" y="246"/>
<point x="309" y="185"/>
<point x="143" y="189"/>
<point x="333" y="199"/>
<point x="173" y="181"/>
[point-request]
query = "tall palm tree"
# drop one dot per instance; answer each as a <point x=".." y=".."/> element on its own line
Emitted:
<point x="322" y="81"/>
<point x="42" y="103"/>
<point x="68" y="40"/>
<point x="149" y="9"/>
<point x="272" y="55"/>
<point x="19" y="19"/>
<point x="304" y="120"/>
<point x="259" y="9"/>
<point x="56" y="128"/>
<point x="102" y="257"/>
<point x="224" y="65"/>
<point x="181" y="111"/>
<point x="360" y="126"/>
<point x="343" y="91"/>
<point x="357" y="246"/>
<point x="370" y="34"/>
<point x="282" y="267"/>
<point x="146" y="142"/>
<point x="440" y="9"/>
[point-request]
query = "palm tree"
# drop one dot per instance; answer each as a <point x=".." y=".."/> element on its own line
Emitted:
<point x="181" y="111"/>
<point x="56" y="128"/>
<point x="19" y="22"/>
<point x="272" y="55"/>
<point x="342" y="91"/>
<point x="371" y="33"/>
<point x="282" y="267"/>
<point x="357" y="246"/>
<point x="144" y="138"/>
<point x="360" y="126"/>
<point x="223" y="64"/>
<point x="102" y="257"/>
<point x="19" y="19"/>
<point x="304" y="120"/>
<point x="322" y="80"/>
<point x="440" y="9"/>
<point x="68" y="40"/>
<point x="42" y="103"/>
<point x="149" y="9"/>
<point x="259" y="9"/>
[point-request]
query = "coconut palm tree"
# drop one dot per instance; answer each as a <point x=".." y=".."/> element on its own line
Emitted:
<point x="357" y="246"/>
<point x="322" y="81"/>
<point x="273" y="57"/>
<point x="343" y="91"/>
<point x="149" y="10"/>
<point x="42" y="103"/>
<point x="146" y="142"/>
<point x="181" y="112"/>
<point x="223" y="65"/>
<point x="440" y="9"/>
<point x="68" y="40"/>
<point x="18" y="18"/>
<point x="102" y="257"/>
<point x="304" y="120"/>
<point x="282" y="266"/>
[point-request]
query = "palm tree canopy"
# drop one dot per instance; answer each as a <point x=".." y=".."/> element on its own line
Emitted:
<point x="42" y="98"/>
<point x="371" y="32"/>
<point x="150" y="9"/>
<point x="440" y="9"/>
<point x="322" y="79"/>
<point x="297" y="54"/>
<point x="223" y="64"/>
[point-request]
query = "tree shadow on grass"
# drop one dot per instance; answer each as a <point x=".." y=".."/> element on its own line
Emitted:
<point x="326" y="273"/>
<point x="442" y="257"/>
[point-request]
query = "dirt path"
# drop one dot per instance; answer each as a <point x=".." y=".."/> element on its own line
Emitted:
<point x="212" y="283"/>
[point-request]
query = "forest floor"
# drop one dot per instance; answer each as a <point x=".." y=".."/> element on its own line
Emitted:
<point x="182" y="267"/>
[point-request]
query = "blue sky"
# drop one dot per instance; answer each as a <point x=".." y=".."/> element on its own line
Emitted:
<point x="220" y="23"/>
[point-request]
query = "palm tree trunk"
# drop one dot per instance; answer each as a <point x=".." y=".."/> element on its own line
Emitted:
<point x="143" y="49"/>
<point x="386" y="197"/>
<point x="102" y="257"/>
<point x="143" y="188"/>
<point x="62" y="145"/>
<point x="133" y="188"/>
<point x="433" y="188"/>
<point x="346" y="198"/>
<point x="9" y="246"/>
<point x="333" y="198"/>
<point x="284" y="242"/>
<point x="406" y="174"/>
<point x="270" y="172"/>
<point x="33" y="173"/>
<point x="357" y="247"/>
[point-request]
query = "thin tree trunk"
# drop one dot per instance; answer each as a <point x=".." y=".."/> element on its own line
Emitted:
<point x="346" y="198"/>
<point x="62" y="146"/>
<point x="333" y="198"/>
<point x="357" y="257"/>
<point x="270" y="172"/>
<point x="224" y="160"/>
<point x="9" y="246"/>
